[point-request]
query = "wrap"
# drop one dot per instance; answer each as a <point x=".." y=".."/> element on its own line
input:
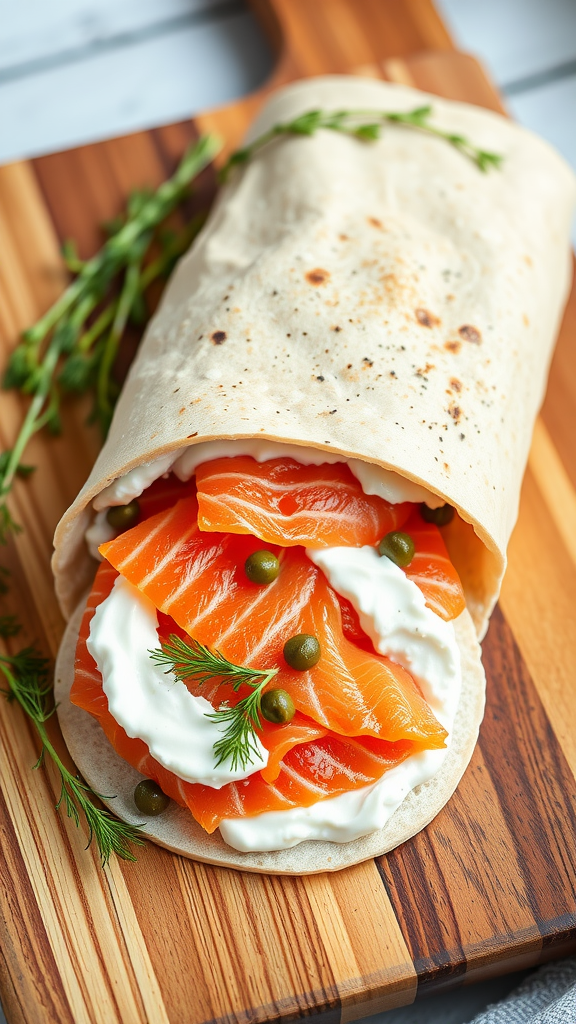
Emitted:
<point x="385" y="300"/>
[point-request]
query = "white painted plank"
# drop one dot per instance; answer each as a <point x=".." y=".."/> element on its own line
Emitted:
<point x="32" y="29"/>
<point x="516" y="38"/>
<point x="153" y="82"/>
<point x="551" y="112"/>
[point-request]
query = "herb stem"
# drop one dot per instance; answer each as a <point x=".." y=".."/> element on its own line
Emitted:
<point x="123" y="307"/>
<point x="27" y="678"/>
<point x="103" y="321"/>
<point x="365" y="125"/>
<point x="30" y="424"/>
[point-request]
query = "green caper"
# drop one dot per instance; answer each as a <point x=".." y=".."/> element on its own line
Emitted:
<point x="122" y="517"/>
<point x="262" y="567"/>
<point x="277" y="706"/>
<point x="150" y="799"/>
<point x="441" y="516"/>
<point x="398" y="547"/>
<point x="302" y="651"/>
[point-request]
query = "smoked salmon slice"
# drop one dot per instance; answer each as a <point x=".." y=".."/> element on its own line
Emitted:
<point x="87" y="689"/>
<point x="164" y="493"/>
<point x="199" y="580"/>
<point x="308" y="772"/>
<point x="431" y="569"/>
<point x="285" y="503"/>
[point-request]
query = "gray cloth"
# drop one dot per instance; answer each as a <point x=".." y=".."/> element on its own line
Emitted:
<point x="546" y="997"/>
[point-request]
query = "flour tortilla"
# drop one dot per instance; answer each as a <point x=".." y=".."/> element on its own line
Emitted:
<point x="177" y="830"/>
<point x="384" y="300"/>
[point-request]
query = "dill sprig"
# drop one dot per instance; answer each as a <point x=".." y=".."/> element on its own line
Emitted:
<point x="191" y="660"/>
<point x="27" y="676"/>
<point x="366" y="125"/>
<point x="74" y="346"/>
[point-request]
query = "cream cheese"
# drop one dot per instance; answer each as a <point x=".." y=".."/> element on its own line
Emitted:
<point x="98" y="533"/>
<point x="148" y="703"/>
<point x="393" y="611"/>
<point x="373" y="479"/>
<point x="340" y="819"/>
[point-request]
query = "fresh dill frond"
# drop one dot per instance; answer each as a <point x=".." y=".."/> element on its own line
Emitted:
<point x="27" y="676"/>
<point x="191" y="660"/>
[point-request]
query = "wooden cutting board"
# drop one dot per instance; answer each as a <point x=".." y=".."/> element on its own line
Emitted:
<point x="489" y="887"/>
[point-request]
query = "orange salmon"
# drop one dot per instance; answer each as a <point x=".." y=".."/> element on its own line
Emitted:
<point x="284" y="503"/>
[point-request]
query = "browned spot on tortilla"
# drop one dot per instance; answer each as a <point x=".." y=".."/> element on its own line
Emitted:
<point x="337" y="329"/>
<point x="426" y="318"/>
<point x="343" y="238"/>
<point x="218" y="337"/>
<point x="375" y="222"/>
<point x="317" y="276"/>
<point x="424" y="370"/>
<point x="195" y="434"/>
<point x="455" y="412"/>
<point x="470" y="333"/>
<point x="528" y="260"/>
<point x="183" y="409"/>
<point x="453" y="346"/>
<point x="456" y="384"/>
<point x="525" y="320"/>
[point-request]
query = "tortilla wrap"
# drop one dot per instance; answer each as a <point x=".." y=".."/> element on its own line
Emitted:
<point x="386" y="300"/>
<point x="177" y="830"/>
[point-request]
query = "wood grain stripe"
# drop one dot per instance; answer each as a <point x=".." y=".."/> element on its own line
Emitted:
<point x="36" y="995"/>
<point x="538" y="599"/>
<point x="537" y="791"/>
<point x="554" y="485"/>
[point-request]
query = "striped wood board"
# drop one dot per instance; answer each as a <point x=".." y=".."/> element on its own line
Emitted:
<point x="489" y="887"/>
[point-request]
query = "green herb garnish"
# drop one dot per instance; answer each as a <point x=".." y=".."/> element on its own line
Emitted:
<point x="365" y="125"/>
<point x="74" y="346"/>
<point x="27" y="676"/>
<point x="191" y="660"/>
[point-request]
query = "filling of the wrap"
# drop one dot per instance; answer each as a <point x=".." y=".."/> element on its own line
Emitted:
<point x="269" y="639"/>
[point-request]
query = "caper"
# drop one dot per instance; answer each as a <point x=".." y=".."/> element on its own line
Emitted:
<point x="398" y="547"/>
<point x="150" y="799"/>
<point x="122" y="517"/>
<point x="302" y="651"/>
<point x="277" y="706"/>
<point x="262" y="567"/>
<point x="441" y="516"/>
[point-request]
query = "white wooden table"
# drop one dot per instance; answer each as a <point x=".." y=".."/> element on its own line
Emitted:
<point x="74" y="71"/>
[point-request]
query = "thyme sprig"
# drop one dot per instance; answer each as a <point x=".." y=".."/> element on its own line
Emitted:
<point x="27" y="678"/>
<point x="191" y="660"/>
<point x="366" y="125"/>
<point x="74" y="346"/>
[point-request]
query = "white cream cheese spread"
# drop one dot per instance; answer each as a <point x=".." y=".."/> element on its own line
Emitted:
<point x="148" y="703"/>
<point x="393" y="612"/>
<point x="373" y="479"/>
<point x="339" y="819"/>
